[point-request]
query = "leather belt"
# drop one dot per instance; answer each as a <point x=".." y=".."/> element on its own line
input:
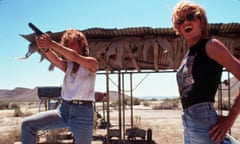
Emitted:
<point x="78" y="102"/>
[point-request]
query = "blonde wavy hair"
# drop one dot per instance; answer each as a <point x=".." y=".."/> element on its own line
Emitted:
<point x="72" y="35"/>
<point x="185" y="7"/>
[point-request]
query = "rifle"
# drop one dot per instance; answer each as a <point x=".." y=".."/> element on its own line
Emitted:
<point x="36" y="30"/>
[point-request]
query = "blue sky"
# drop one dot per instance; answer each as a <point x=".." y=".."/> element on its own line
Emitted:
<point x="58" y="15"/>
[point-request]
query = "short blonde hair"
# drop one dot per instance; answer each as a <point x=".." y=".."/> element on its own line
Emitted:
<point x="72" y="35"/>
<point x="183" y="8"/>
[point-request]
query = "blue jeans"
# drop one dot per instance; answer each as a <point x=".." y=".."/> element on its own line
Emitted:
<point x="79" y="118"/>
<point x="197" y="120"/>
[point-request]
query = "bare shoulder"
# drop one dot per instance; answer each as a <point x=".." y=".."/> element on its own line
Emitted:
<point x="214" y="43"/>
<point x="218" y="51"/>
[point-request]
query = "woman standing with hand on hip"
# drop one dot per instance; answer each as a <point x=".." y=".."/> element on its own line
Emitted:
<point x="78" y="94"/>
<point x="199" y="75"/>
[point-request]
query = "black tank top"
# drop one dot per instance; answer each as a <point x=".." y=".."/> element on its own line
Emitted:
<point x="198" y="76"/>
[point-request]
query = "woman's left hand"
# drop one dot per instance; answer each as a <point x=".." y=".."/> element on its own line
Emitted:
<point x="219" y="130"/>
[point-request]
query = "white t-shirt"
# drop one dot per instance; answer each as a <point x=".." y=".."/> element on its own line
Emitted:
<point x="80" y="85"/>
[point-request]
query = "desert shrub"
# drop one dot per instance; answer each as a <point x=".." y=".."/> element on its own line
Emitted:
<point x="57" y="135"/>
<point x="168" y="104"/>
<point x="146" y="103"/>
<point x="12" y="105"/>
<point x="135" y="101"/>
<point x="3" y="105"/>
<point x="153" y="99"/>
<point x="18" y="112"/>
<point x="127" y="101"/>
<point x="52" y="136"/>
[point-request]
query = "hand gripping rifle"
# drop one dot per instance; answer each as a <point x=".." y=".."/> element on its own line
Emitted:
<point x="38" y="32"/>
<point x="32" y="47"/>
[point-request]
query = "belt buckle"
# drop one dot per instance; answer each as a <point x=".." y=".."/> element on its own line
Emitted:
<point x="77" y="102"/>
<point x="80" y="102"/>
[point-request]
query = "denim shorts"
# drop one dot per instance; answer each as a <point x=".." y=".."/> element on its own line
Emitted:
<point x="197" y="121"/>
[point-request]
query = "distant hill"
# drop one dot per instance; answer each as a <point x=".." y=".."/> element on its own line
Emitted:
<point x="19" y="94"/>
<point x="26" y="94"/>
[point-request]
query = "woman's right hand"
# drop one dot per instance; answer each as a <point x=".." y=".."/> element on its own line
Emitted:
<point x="44" y="41"/>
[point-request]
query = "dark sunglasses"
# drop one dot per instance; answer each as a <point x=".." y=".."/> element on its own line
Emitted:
<point x="189" y="17"/>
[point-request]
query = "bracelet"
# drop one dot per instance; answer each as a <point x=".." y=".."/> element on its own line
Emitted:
<point x="44" y="50"/>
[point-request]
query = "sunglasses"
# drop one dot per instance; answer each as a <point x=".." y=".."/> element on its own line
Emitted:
<point x="189" y="17"/>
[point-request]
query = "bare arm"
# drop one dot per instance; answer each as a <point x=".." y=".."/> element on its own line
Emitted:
<point x="218" y="51"/>
<point x="56" y="60"/>
<point x="51" y="55"/>
<point x="70" y="54"/>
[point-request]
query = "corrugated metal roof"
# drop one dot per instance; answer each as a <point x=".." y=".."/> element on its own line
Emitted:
<point x="221" y="29"/>
<point x="214" y="29"/>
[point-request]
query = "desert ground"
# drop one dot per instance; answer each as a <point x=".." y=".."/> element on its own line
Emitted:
<point x="165" y="124"/>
